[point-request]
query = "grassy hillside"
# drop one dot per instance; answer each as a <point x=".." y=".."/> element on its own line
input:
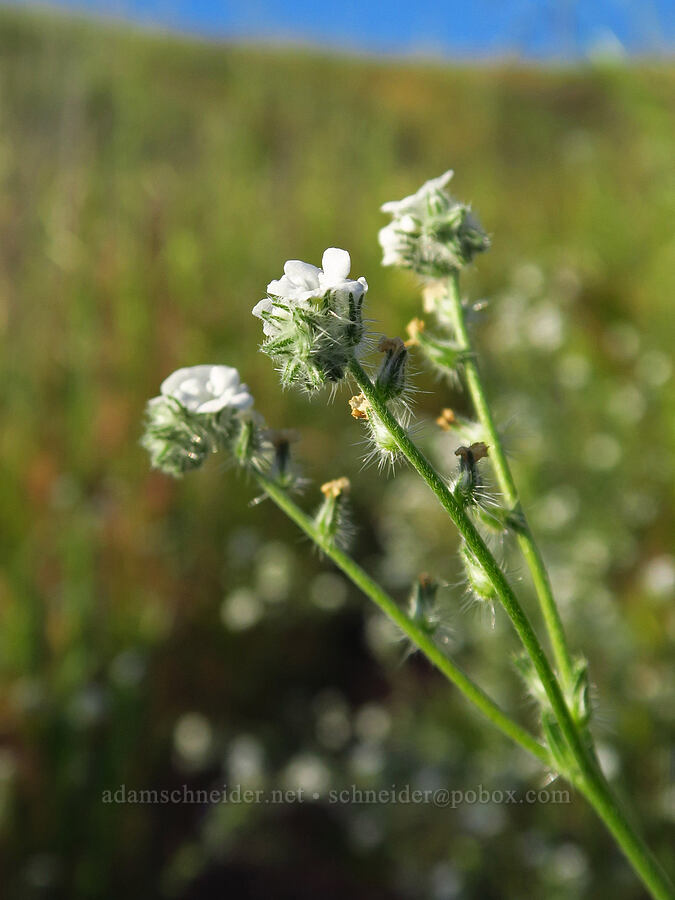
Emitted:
<point x="150" y="187"/>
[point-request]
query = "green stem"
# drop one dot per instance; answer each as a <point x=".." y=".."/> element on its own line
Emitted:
<point x="508" y="488"/>
<point x="417" y="635"/>
<point x="590" y="778"/>
<point x="598" y="792"/>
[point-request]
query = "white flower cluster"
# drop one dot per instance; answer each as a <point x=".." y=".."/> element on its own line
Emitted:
<point x="199" y="410"/>
<point x="312" y="319"/>
<point x="430" y="232"/>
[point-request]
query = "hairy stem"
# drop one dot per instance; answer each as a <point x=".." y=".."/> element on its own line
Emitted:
<point x="507" y="486"/>
<point x="589" y="778"/>
<point x="417" y="635"/>
<point x="595" y="789"/>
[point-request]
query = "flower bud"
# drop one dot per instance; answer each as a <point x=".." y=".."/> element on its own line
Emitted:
<point x="479" y="585"/>
<point x="478" y="580"/>
<point x="578" y="694"/>
<point x="422" y="606"/>
<point x="283" y="470"/>
<point x="243" y="437"/>
<point x="384" y="450"/>
<point x="391" y="377"/>
<point x="331" y="519"/>
<point x="467" y="487"/>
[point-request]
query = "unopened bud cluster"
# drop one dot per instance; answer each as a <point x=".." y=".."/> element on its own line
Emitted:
<point x="430" y="232"/>
<point x="312" y="320"/>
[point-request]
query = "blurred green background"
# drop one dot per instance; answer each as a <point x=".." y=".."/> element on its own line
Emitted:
<point x="158" y="634"/>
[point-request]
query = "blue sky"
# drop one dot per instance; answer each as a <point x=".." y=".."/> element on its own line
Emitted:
<point x="460" y="28"/>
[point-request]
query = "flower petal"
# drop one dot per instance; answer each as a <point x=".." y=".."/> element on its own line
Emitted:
<point x="242" y="399"/>
<point x="264" y="305"/>
<point x="214" y="405"/>
<point x="176" y="380"/>
<point x="222" y="378"/>
<point x="437" y="184"/>
<point x="336" y="264"/>
<point x="302" y="274"/>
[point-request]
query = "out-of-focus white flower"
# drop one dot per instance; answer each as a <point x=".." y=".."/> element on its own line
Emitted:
<point x="245" y="760"/>
<point x="241" y="609"/>
<point x="197" y="413"/>
<point x="574" y="371"/>
<point x="372" y="723"/>
<point x="207" y="389"/>
<point x="328" y="591"/>
<point x="602" y="452"/>
<point x="654" y="368"/>
<point x="193" y="740"/>
<point x="545" y="327"/>
<point x="659" y="575"/>
<point x="312" y="319"/>
<point x="430" y="232"/>
<point x="308" y="773"/>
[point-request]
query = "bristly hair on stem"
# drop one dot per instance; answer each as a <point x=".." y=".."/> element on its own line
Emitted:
<point x="382" y="448"/>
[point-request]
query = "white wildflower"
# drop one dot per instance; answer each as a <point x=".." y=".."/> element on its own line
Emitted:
<point x="207" y="389"/>
<point x="303" y="284"/>
<point x="197" y="413"/>
<point x="430" y="232"/>
<point x="312" y="319"/>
